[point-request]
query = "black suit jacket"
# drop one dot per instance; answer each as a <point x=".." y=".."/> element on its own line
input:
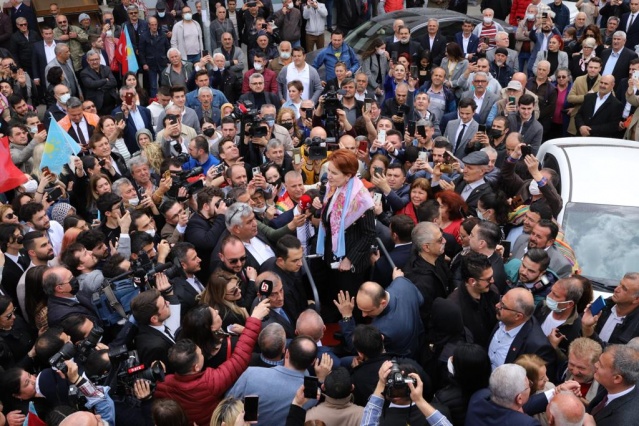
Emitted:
<point x="99" y="86"/>
<point x="531" y="340"/>
<point x="474" y="196"/>
<point x="205" y="235"/>
<point x="11" y="274"/>
<point x="75" y="137"/>
<point x="438" y="50"/>
<point x="414" y="49"/>
<point x="120" y="16"/>
<point x="39" y="62"/>
<point x="57" y="113"/>
<point x="622" y="66"/>
<point x="604" y="122"/>
<point x="274" y="317"/>
<point x="59" y="308"/>
<point x="130" y="130"/>
<point x="153" y="345"/>
<point x="185" y="293"/>
<point x="620" y="411"/>
<point x="382" y="271"/>
<point x="632" y="35"/>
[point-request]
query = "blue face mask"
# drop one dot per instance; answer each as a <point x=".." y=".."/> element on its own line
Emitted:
<point x="270" y="123"/>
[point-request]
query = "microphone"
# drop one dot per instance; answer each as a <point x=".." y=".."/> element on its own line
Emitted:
<point x="322" y="194"/>
<point x="305" y="203"/>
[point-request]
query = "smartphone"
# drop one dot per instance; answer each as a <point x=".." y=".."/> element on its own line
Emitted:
<point x="297" y="155"/>
<point x="128" y="98"/>
<point x="55" y="194"/>
<point x="544" y="14"/>
<point x="264" y="26"/>
<point x="394" y="56"/>
<point x="119" y="116"/>
<point x="423" y="155"/>
<point x="597" y="305"/>
<point x="46" y="171"/>
<point x="381" y="136"/>
<point x="107" y="21"/>
<point x="311" y="385"/>
<point x="368" y="103"/>
<point x="486" y="40"/>
<point x="526" y="150"/>
<point x="481" y="128"/>
<point x="421" y="131"/>
<point x="363" y="146"/>
<point x="205" y="53"/>
<point x="41" y="127"/>
<point x="141" y="193"/>
<point x="635" y="75"/>
<point x="256" y="171"/>
<point x="102" y="162"/>
<point x="378" y="171"/>
<point x="251" y="404"/>
<point x="167" y="174"/>
<point x="122" y="209"/>
<point x="506" y="245"/>
<point x="173" y="121"/>
<point x="414" y="72"/>
<point x="411" y="127"/>
<point x="377" y="197"/>
<point x="511" y="99"/>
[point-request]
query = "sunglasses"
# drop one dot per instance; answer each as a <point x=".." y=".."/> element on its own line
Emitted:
<point x="239" y="259"/>
<point x="10" y="215"/>
<point x="11" y="314"/>
<point x="18" y="239"/>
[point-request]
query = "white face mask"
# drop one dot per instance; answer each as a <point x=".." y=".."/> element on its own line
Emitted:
<point x="30" y="186"/>
<point x="134" y="201"/>
<point x="533" y="188"/>
<point x="530" y="16"/>
<point x="381" y="51"/>
<point x="480" y="216"/>
<point x="187" y="16"/>
<point x="285" y="55"/>
<point x="109" y="33"/>
<point x="33" y="129"/>
<point x="488" y="20"/>
<point x="451" y="369"/>
<point x="259" y="210"/>
<point x="290" y="5"/>
<point x="258" y="67"/>
<point x="65" y="98"/>
<point x="151" y="232"/>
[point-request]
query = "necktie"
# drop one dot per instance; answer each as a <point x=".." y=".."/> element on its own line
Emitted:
<point x="460" y="136"/>
<point x="78" y="130"/>
<point x="283" y="314"/>
<point x="198" y="284"/>
<point x="599" y="406"/>
<point x="630" y="21"/>
<point x="167" y="330"/>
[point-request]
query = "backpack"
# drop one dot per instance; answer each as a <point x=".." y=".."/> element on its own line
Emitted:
<point x="113" y="300"/>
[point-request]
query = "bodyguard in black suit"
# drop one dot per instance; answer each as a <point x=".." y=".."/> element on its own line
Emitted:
<point x="623" y="55"/>
<point x="187" y="286"/>
<point x="604" y="120"/>
<point x="280" y="313"/>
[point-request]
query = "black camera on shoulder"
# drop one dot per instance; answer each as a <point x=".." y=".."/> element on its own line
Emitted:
<point x="397" y="383"/>
<point x="318" y="147"/>
<point x="126" y="368"/>
<point x="180" y="180"/>
<point x="67" y="352"/>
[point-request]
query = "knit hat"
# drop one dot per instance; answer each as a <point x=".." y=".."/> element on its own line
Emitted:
<point x="82" y="17"/>
<point x="160" y="5"/>
<point x="501" y="50"/>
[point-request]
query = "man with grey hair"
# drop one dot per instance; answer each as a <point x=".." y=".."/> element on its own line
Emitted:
<point x="284" y="59"/>
<point x="73" y="36"/>
<point x="219" y="26"/>
<point x="21" y="44"/>
<point x="616" y="59"/>
<point x="492" y="172"/>
<point x="240" y="221"/>
<point x="257" y="94"/>
<point x="233" y="55"/>
<point x="502" y="40"/>
<point x="178" y="72"/>
<point x="205" y="110"/>
<point x="62" y="288"/>
<point x="136" y="117"/>
<point x="618" y="372"/>
<point x="269" y="113"/>
<point x="141" y="174"/>
<point x="62" y="60"/>
<point x="272" y="344"/>
<point x="99" y="84"/>
<point x="484" y="99"/>
<point x="175" y="136"/>
<point x="541" y="85"/>
<point x="125" y="189"/>
<point x="565" y="409"/>
<point x="518" y="333"/>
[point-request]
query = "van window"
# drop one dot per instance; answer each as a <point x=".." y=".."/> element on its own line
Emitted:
<point x="551" y="162"/>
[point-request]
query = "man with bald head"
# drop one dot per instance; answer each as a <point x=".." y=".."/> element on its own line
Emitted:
<point x="518" y="332"/>
<point x="311" y="324"/>
<point x="601" y="112"/>
<point x="394" y="312"/>
<point x="565" y="409"/>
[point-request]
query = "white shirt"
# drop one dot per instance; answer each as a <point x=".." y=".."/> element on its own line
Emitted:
<point x="599" y="101"/>
<point x="49" y="51"/>
<point x="479" y="101"/>
<point x="304" y="76"/>
<point x="82" y="127"/>
<point x="550" y="323"/>
<point x="611" y="323"/>
<point x="260" y="251"/>
<point x="465" y="41"/>
<point x="195" y="286"/>
<point x="500" y="344"/>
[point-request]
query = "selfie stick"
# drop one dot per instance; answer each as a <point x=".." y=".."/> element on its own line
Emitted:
<point x="383" y="249"/>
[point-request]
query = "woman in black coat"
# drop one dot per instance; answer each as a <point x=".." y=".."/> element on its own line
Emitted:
<point x="16" y="337"/>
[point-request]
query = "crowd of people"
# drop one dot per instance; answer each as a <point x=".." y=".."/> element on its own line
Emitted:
<point x="366" y="238"/>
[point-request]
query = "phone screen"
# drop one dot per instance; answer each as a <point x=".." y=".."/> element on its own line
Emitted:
<point x="41" y="127"/>
<point x="381" y="136"/>
<point x="251" y="404"/>
<point x="363" y="146"/>
<point x="481" y="128"/>
<point x="506" y="245"/>
<point x="526" y="150"/>
<point x="311" y="385"/>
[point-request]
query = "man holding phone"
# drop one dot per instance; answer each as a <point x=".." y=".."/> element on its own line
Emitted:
<point x="618" y="322"/>
<point x="136" y="117"/>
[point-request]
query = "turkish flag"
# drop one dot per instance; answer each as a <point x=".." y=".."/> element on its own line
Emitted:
<point x="12" y="177"/>
<point x="120" y="53"/>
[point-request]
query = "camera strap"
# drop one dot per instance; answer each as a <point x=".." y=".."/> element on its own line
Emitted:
<point x="113" y="301"/>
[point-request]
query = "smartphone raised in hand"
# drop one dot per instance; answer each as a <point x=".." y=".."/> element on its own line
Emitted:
<point x="311" y="386"/>
<point x="251" y="404"/>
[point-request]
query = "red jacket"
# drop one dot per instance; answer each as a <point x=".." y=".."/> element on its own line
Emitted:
<point x="393" y="5"/>
<point x="199" y="394"/>
<point x="518" y="11"/>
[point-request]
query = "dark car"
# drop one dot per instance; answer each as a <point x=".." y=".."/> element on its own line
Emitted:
<point x="416" y="19"/>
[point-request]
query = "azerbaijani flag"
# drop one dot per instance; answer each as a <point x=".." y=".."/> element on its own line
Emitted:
<point x="58" y="148"/>
<point x="125" y="54"/>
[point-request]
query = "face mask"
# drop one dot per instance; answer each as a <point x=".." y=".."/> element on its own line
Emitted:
<point x="75" y="285"/>
<point x="285" y="55"/>
<point x="65" y="98"/>
<point x="496" y="134"/>
<point x="530" y="16"/>
<point x="287" y="126"/>
<point x="109" y="33"/>
<point x="533" y="188"/>
<point x="553" y="305"/>
<point x="33" y="129"/>
<point x="134" y="201"/>
<point x="480" y="216"/>
<point x="259" y="210"/>
<point x="290" y="6"/>
<point x="187" y="16"/>
<point x="30" y="186"/>
<point x="208" y="132"/>
<point x="451" y="369"/>
<point x="151" y="232"/>
<point x="270" y="123"/>
<point x="161" y="14"/>
<point x="488" y="20"/>
<point x="258" y="67"/>
<point x="380" y="52"/>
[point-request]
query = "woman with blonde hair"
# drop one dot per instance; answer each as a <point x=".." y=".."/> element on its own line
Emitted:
<point x="151" y="150"/>
<point x="222" y="293"/>
<point x="227" y="412"/>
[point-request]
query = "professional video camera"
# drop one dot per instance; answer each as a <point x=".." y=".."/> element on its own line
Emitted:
<point x="66" y="353"/>
<point x="144" y="269"/>
<point x="249" y="117"/>
<point x="397" y="383"/>
<point x="318" y="147"/>
<point x="331" y="105"/>
<point x="126" y="368"/>
<point x="180" y="179"/>
<point x="86" y="346"/>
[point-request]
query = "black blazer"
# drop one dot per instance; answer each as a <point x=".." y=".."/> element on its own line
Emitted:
<point x="99" y="86"/>
<point x="130" y="130"/>
<point x="623" y="332"/>
<point x="274" y="317"/>
<point x="604" y="122"/>
<point x="120" y="15"/>
<point x="632" y="35"/>
<point x="414" y="49"/>
<point x="438" y="51"/>
<point x="153" y="345"/>
<point x="620" y="411"/>
<point x="473" y="42"/>
<point x="205" y="236"/>
<point x="185" y="293"/>
<point x="57" y="113"/>
<point x="382" y="271"/>
<point x="474" y="196"/>
<point x="622" y="66"/>
<point x="270" y="98"/>
<point x="59" y="308"/>
<point x="531" y="340"/>
<point x="11" y="274"/>
<point x="39" y="62"/>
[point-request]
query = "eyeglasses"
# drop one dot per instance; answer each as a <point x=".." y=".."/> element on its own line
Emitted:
<point x="62" y="22"/>
<point x="438" y="240"/>
<point x="236" y="260"/>
<point x="133" y="13"/>
<point x="18" y="239"/>
<point x="480" y="81"/>
<point x="562" y="76"/>
<point x="22" y="25"/>
<point x="504" y="307"/>
<point x="10" y="314"/>
<point x="234" y="290"/>
<point x="241" y="208"/>
<point x="488" y="280"/>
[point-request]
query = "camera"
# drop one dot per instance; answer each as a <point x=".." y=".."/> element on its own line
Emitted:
<point x="66" y="353"/>
<point x="446" y="166"/>
<point x="331" y="105"/>
<point x="318" y="147"/>
<point x="397" y="383"/>
<point x="181" y="180"/>
<point x="86" y="346"/>
<point x="127" y="368"/>
<point x="14" y="68"/>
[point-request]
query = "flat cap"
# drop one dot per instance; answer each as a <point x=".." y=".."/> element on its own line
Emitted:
<point x="477" y="158"/>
